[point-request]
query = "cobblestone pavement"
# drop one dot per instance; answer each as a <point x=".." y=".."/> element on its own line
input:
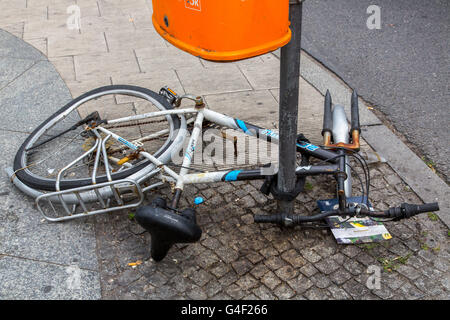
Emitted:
<point x="238" y="259"/>
<point x="235" y="259"/>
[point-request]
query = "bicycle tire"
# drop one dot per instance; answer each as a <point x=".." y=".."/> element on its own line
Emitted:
<point x="45" y="184"/>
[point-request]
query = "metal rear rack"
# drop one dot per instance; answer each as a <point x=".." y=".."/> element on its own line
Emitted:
<point x="123" y="190"/>
<point x="91" y="199"/>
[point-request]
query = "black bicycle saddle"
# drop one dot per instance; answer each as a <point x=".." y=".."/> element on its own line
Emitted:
<point x="166" y="227"/>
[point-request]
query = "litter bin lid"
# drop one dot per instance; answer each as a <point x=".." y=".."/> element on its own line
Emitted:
<point x="223" y="30"/>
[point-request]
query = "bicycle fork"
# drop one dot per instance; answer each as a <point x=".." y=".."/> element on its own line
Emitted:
<point x="337" y="134"/>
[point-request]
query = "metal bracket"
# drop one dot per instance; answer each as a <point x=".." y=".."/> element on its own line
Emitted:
<point x="199" y="104"/>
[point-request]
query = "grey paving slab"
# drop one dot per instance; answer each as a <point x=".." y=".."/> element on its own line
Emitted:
<point x="24" y="233"/>
<point x="20" y="10"/>
<point x="31" y="98"/>
<point x="11" y="68"/>
<point x="73" y="43"/>
<point x="257" y="107"/>
<point x="11" y="46"/>
<point x="265" y="75"/>
<point x="219" y="79"/>
<point x="40" y="44"/>
<point x="16" y="29"/>
<point x="150" y="80"/>
<point x="124" y="8"/>
<point x="39" y="260"/>
<point x="136" y="39"/>
<point x="35" y="280"/>
<point x="104" y="65"/>
<point x="78" y="88"/>
<point x="160" y="58"/>
<point x="141" y="20"/>
<point x="58" y="9"/>
<point x="65" y="67"/>
<point x="92" y="24"/>
<point x="33" y="29"/>
<point x="244" y="62"/>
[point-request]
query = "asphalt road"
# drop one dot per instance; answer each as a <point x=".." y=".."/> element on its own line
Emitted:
<point x="402" y="68"/>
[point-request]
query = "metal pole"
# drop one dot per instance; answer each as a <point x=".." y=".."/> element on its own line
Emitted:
<point x="288" y="109"/>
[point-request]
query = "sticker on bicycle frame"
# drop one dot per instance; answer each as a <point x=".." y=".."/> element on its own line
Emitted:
<point x="308" y="146"/>
<point x="232" y="175"/>
<point x="270" y="133"/>
<point x="193" y="5"/>
<point x="191" y="150"/>
<point x="241" y="124"/>
<point x="128" y="144"/>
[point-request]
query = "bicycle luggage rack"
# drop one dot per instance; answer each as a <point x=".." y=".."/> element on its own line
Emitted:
<point x="120" y="188"/>
<point x="100" y="193"/>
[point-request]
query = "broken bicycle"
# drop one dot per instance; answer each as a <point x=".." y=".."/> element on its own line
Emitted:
<point x="101" y="152"/>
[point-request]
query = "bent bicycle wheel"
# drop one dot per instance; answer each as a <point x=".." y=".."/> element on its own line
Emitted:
<point x="60" y="139"/>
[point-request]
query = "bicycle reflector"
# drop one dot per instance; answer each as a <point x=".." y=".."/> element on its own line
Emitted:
<point x="223" y="30"/>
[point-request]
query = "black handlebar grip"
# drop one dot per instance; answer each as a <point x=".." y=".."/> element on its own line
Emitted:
<point x="355" y="112"/>
<point x="327" y="115"/>
<point x="261" y="219"/>
<point x="413" y="209"/>
<point x="267" y="218"/>
<point x="429" y="207"/>
<point x="407" y="210"/>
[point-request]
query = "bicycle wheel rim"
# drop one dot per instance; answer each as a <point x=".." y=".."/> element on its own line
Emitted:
<point x="43" y="183"/>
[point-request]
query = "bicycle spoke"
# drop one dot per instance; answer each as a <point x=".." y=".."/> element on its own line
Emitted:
<point x="70" y="136"/>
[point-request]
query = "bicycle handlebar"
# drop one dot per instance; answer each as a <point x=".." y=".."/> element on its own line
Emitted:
<point x="287" y="219"/>
<point x="405" y="211"/>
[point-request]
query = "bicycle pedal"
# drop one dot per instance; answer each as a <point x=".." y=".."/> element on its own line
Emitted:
<point x="169" y="94"/>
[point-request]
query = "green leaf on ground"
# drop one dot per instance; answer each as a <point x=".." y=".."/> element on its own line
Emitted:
<point x="433" y="216"/>
<point x="308" y="186"/>
<point x="391" y="264"/>
<point x="429" y="163"/>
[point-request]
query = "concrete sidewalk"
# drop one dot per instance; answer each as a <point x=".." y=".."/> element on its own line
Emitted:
<point x="235" y="258"/>
<point x="37" y="260"/>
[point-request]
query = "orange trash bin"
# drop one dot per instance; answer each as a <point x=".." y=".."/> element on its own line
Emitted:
<point x="223" y="30"/>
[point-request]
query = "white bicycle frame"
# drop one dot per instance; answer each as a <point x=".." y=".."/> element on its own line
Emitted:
<point x="100" y="192"/>
<point x="183" y="177"/>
